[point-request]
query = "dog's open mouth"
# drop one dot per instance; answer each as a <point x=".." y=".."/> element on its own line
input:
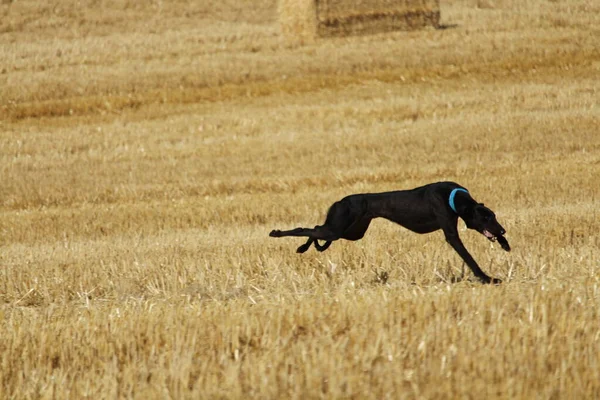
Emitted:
<point x="489" y="235"/>
<point x="501" y="240"/>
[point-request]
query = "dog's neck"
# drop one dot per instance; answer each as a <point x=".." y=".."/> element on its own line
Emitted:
<point x="459" y="200"/>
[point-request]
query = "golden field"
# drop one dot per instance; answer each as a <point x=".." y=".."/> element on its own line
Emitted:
<point x="148" y="148"/>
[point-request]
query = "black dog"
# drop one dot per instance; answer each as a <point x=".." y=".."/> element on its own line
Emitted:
<point x="422" y="210"/>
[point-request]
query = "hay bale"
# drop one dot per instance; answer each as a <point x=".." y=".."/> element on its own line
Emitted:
<point x="298" y="20"/>
<point x="303" y="20"/>
<point x="332" y="8"/>
<point x="348" y="17"/>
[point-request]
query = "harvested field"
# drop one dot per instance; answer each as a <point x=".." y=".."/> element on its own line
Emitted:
<point x="147" y="149"/>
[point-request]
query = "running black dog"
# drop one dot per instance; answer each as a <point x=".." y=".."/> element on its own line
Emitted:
<point x="422" y="210"/>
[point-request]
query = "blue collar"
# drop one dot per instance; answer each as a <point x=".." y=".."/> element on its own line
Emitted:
<point x="451" y="199"/>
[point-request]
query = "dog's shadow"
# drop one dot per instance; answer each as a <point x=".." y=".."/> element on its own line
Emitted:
<point x="443" y="27"/>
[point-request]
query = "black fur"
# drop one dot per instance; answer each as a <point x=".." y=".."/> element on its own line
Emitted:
<point x="422" y="210"/>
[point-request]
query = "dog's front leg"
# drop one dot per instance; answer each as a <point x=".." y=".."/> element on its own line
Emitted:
<point x="457" y="244"/>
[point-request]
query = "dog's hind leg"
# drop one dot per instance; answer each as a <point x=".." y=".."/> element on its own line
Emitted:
<point x="319" y="247"/>
<point x="292" y="232"/>
<point x="322" y="247"/>
<point x="310" y="241"/>
<point x="354" y="232"/>
<point x="318" y="232"/>
<point x="341" y="217"/>
<point x="305" y="246"/>
<point x="358" y="229"/>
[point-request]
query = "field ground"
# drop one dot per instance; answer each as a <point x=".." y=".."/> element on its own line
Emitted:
<point x="146" y="150"/>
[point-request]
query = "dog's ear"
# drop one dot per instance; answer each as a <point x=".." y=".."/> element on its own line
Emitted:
<point x="485" y="212"/>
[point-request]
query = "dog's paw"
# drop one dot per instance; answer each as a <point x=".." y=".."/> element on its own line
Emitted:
<point x="490" y="281"/>
<point x="275" y="233"/>
<point x="303" y="248"/>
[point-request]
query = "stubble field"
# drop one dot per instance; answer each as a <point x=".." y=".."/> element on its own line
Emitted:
<point x="147" y="149"/>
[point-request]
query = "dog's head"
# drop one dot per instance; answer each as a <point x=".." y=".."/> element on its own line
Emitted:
<point x="483" y="220"/>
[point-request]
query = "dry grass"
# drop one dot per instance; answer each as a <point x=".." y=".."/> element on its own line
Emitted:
<point x="147" y="150"/>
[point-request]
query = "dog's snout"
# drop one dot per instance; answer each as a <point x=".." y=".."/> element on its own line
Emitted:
<point x="502" y="231"/>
